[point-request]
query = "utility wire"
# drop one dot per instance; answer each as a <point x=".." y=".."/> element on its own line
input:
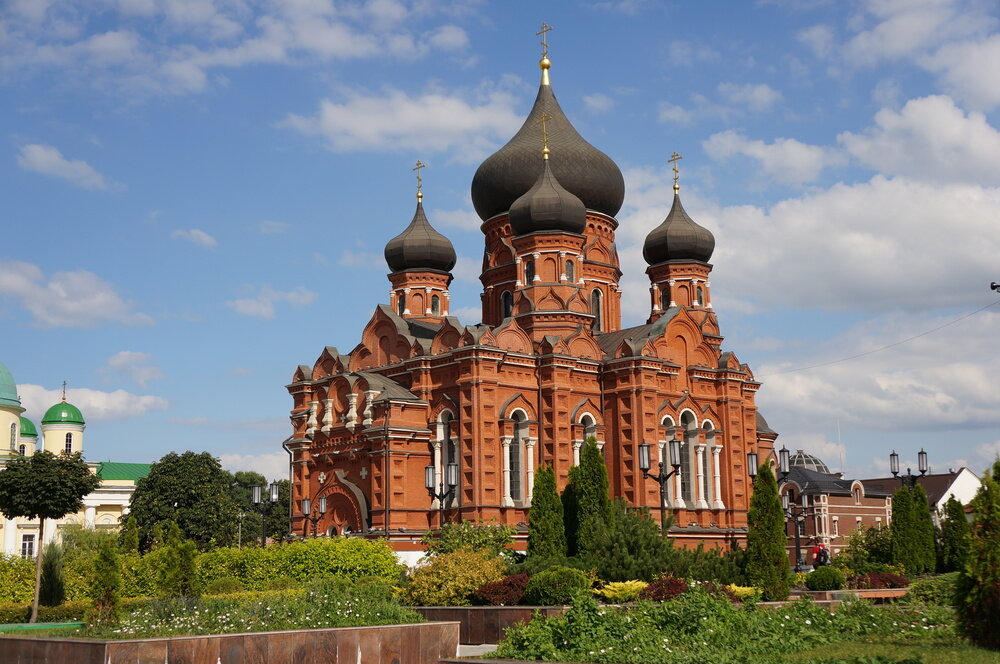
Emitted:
<point x="882" y="348"/>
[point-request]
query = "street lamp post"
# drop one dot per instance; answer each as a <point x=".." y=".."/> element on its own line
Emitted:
<point x="909" y="479"/>
<point x="793" y="512"/>
<point x="313" y="516"/>
<point x="264" y="505"/>
<point x="441" y="495"/>
<point x="662" y="476"/>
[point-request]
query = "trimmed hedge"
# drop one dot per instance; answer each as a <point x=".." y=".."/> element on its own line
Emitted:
<point x="556" y="586"/>
<point x="825" y="578"/>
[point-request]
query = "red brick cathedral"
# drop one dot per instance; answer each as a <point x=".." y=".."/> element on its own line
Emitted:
<point x="549" y="366"/>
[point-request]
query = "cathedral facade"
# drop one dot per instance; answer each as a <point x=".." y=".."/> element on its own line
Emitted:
<point x="426" y="399"/>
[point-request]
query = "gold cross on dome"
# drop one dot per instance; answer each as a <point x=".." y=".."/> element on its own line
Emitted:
<point x="420" y="180"/>
<point x="545" y="42"/>
<point x="542" y="119"/>
<point x="674" y="158"/>
<point x="64" y="392"/>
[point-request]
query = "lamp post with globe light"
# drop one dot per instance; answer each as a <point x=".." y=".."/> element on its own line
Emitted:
<point x="909" y="479"/>
<point x="674" y="447"/>
<point x="313" y="516"/>
<point x="264" y="505"/>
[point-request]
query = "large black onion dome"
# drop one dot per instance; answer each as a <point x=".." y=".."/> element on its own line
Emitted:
<point x="581" y="168"/>
<point x="678" y="238"/>
<point x="419" y="246"/>
<point x="547" y="206"/>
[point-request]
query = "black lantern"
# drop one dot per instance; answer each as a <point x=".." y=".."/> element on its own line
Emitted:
<point x="783" y="462"/>
<point x="752" y="465"/>
<point x="894" y="463"/>
<point x="674" y="450"/>
<point x="922" y="461"/>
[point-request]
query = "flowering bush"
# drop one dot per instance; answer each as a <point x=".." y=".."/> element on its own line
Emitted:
<point x="825" y="578"/>
<point x="744" y="593"/>
<point x="508" y="591"/>
<point x="878" y="580"/>
<point x="663" y="589"/>
<point x="619" y="592"/>
<point x="450" y="579"/>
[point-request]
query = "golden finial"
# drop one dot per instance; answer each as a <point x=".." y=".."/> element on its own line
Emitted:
<point x="542" y="119"/>
<point x="420" y="180"/>
<point x="674" y="158"/>
<point x="64" y="392"/>
<point x="544" y="63"/>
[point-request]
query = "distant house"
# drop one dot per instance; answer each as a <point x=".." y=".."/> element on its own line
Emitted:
<point x="962" y="484"/>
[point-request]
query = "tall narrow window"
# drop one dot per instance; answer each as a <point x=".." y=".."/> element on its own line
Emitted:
<point x="506" y="304"/>
<point x="400" y="303"/>
<point x="516" y="445"/>
<point x="450" y="450"/>
<point x="589" y="428"/>
<point x="529" y="272"/>
<point x="687" y="459"/>
<point x="570" y="272"/>
<point x="701" y="297"/>
<point x="13" y="436"/>
<point x="27" y="546"/>
<point x="596" y="309"/>
<point x="435" y="304"/>
<point x="69" y="443"/>
<point x="665" y="297"/>
<point x="23" y="449"/>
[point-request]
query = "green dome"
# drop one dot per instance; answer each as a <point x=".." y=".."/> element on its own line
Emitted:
<point x="63" y="413"/>
<point x="28" y="429"/>
<point x="8" y="388"/>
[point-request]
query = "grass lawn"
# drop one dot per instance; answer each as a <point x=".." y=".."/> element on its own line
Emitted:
<point x="926" y="653"/>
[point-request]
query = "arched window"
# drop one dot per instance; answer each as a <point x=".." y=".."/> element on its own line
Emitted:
<point x="450" y="452"/>
<point x="506" y="304"/>
<point x="596" y="309"/>
<point x="689" y="470"/>
<point x="69" y="443"/>
<point x="570" y="272"/>
<point x="589" y="428"/>
<point x="701" y="297"/>
<point x="400" y="303"/>
<point x="665" y="297"/>
<point x="709" y="461"/>
<point x="23" y="449"/>
<point x="13" y="436"/>
<point x="529" y="272"/>
<point x="516" y="445"/>
<point x="857" y="495"/>
<point x="435" y="304"/>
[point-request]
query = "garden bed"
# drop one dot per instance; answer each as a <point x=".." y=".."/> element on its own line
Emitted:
<point x="877" y="595"/>
<point x="424" y="643"/>
<point x="485" y="624"/>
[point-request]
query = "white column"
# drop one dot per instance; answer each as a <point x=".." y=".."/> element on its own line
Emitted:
<point x="89" y="517"/>
<point x="538" y="277"/>
<point x="708" y="284"/>
<point x="369" y="403"/>
<point x="517" y="271"/>
<point x="438" y="469"/>
<point x="406" y="302"/>
<point x="427" y="301"/>
<point x="529" y="445"/>
<point x="577" y="444"/>
<point x="327" y="414"/>
<point x="699" y="492"/>
<point x="600" y="445"/>
<point x="311" y="424"/>
<point x="717" y="503"/>
<point x="444" y="304"/>
<point x="10" y="537"/>
<point x="653" y="300"/>
<point x="671" y="282"/>
<point x="562" y="266"/>
<point x="505" y="442"/>
<point x="352" y="409"/>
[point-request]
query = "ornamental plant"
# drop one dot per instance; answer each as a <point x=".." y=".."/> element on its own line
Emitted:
<point x="977" y="593"/>
<point x="105" y="591"/>
<point x="878" y="581"/>
<point x="663" y="589"/>
<point x="53" y="590"/>
<point x="825" y="578"/>
<point x="906" y="547"/>
<point x="924" y="530"/>
<point x="508" y="591"/>
<point x="556" y="586"/>
<point x="935" y="591"/>
<point x="546" y="528"/>
<point x="766" y="561"/>
<point x="450" y="579"/>
<point x="594" y="516"/>
<point x="953" y="551"/>
<point x="636" y="550"/>
<point x="620" y="592"/>
<point x="494" y="538"/>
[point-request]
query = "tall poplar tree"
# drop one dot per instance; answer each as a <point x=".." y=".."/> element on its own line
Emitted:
<point x="546" y="530"/>
<point x="954" y="548"/>
<point x="766" y="560"/>
<point x="903" y="530"/>
<point x="977" y="593"/>
<point x="923" y="530"/>
<point x="591" y="490"/>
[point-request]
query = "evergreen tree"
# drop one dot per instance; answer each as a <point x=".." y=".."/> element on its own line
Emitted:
<point x="546" y="529"/>
<point x="904" y="532"/>
<point x="766" y="560"/>
<point x="571" y="516"/>
<point x="954" y="541"/>
<point x="176" y="575"/>
<point x="923" y="530"/>
<point x="129" y="536"/>
<point x="53" y="590"/>
<point x="977" y="592"/>
<point x="637" y="550"/>
<point x="107" y="584"/>
<point x="594" y="513"/>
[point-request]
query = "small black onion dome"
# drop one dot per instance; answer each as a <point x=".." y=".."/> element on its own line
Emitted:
<point x="678" y="238"/>
<point x="419" y="246"/>
<point x="581" y="168"/>
<point x="547" y="206"/>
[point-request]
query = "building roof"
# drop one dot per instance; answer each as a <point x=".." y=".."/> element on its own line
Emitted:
<point x="581" y="168"/>
<point x="28" y="428"/>
<point x="547" y="206"/>
<point x="678" y="238"/>
<point x="762" y="425"/>
<point x="420" y="247"/>
<point x="114" y="470"/>
<point x="8" y="388"/>
<point x="936" y="485"/>
<point x="808" y="461"/>
<point x="609" y="341"/>
<point x="63" y="413"/>
<point x="812" y="482"/>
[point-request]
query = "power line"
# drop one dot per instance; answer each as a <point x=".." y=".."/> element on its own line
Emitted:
<point x="886" y="347"/>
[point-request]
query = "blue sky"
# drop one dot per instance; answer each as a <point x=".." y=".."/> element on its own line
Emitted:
<point x="195" y="195"/>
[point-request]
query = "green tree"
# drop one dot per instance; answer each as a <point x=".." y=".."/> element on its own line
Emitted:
<point x="494" y="538"/>
<point x="53" y="586"/>
<point x="129" y="536"/>
<point x="954" y="548"/>
<point x="977" y="591"/>
<point x="174" y="564"/>
<point x="193" y="491"/>
<point x="923" y="530"/>
<point x="766" y="559"/>
<point x="637" y="550"/>
<point x="275" y="514"/>
<point x="904" y="532"/>
<point x="546" y="530"/>
<point x="106" y="587"/>
<point x="594" y="513"/>
<point x="44" y="486"/>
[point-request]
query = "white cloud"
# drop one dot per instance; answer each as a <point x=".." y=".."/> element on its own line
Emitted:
<point x="48" y="160"/>
<point x="448" y="38"/>
<point x="262" y="306"/>
<point x="133" y="365"/>
<point x="786" y="159"/>
<point x="932" y="139"/>
<point x="268" y="227"/>
<point x="687" y="54"/>
<point x="468" y="315"/>
<point x="395" y="121"/>
<point x="94" y="404"/>
<point x="819" y="38"/>
<point x="967" y="70"/>
<point x="598" y="103"/>
<point x="361" y="259"/>
<point x="464" y="218"/>
<point x="272" y="465"/>
<point x="756" y="97"/>
<point x="987" y="453"/>
<point x="673" y="113"/>
<point x="467" y="269"/>
<point x="66" y="299"/>
<point x="195" y="236"/>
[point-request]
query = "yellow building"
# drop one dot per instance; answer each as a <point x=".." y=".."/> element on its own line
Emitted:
<point x="62" y="432"/>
